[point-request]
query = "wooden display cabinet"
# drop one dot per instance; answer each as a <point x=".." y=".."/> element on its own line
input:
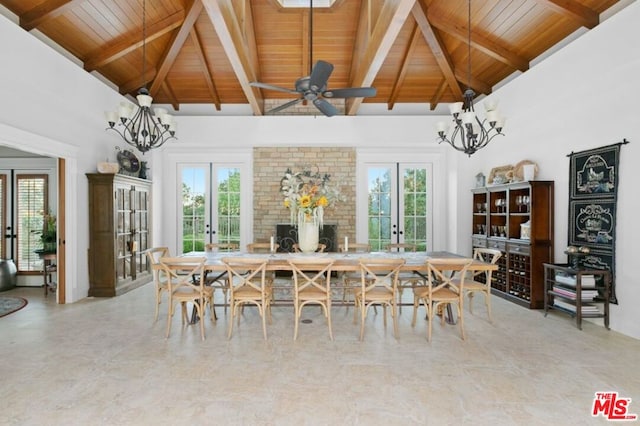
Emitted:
<point x="519" y="277"/>
<point x="119" y="233"/>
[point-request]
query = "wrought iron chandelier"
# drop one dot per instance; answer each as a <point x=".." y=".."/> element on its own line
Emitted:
<point x="469" y="132"/>
<point x="143" y="128"/>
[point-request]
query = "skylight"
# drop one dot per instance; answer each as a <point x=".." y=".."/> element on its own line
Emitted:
<point x="305" y="3"/>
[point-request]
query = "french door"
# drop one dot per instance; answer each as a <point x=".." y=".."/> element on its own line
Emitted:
<point x="210" y="199"/>
<point x="23" y="202"/>
<point x="396" y="204"/>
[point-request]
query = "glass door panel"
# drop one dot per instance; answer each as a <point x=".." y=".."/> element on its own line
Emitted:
<point x="211" y="205"/>
<point x="399" y="205"/>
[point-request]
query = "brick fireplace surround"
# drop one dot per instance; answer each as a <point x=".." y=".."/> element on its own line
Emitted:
<point x="269" y="165"/>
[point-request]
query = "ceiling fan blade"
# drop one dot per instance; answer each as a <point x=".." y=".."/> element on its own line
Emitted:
<point x="351" y="92"/>
<point x="272" y="87"/>
<point x="325" y="107"/>
<point x="285" y="106"/>
<point x="320" y="75"/>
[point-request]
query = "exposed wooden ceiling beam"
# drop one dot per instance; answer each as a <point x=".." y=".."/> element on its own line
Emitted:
<point x="415" y="36"/>
<point x="477" y="85"/>
<point x="168" y="91"/>
<point x="435" y="100"/>
<point x="175" y="45"/>
<point x="230" y="34"/>
<point x="436" y="45"/>
<point x="45" y="11"/>
<point x="132" y="86"/>
<point x="389" y="23"/>
<point x="132" y="41"/>
<point x="481" y="43"/>
<point x="573" y="10"/>
<point x="208" y="75"/>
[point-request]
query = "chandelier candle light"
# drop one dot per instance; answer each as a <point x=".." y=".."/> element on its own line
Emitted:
<point x="469" y="132"/>
<point x="143" y="129"/>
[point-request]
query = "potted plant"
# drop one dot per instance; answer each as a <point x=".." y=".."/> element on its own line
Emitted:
<point x="49" y="235"/>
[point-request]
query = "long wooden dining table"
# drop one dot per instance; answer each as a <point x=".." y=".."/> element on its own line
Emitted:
<point x="414" y="261"/>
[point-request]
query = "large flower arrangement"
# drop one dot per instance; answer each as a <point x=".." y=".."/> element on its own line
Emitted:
<point x="307" y="193"/>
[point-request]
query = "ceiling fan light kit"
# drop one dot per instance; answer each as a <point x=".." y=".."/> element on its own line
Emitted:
<point x="143" y="128"/>
<point x="470" y="132"/>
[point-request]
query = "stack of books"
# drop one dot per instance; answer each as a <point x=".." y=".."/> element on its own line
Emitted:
<point x="566" y="286"/>
<point x="584" y="309"/>
<point x="588" y="281"/>
<point x="585" y="295"/>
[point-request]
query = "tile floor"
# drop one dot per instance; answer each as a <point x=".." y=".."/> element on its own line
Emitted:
<point x="105" y="362"/>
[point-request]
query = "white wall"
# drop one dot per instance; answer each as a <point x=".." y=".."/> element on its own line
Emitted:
<point x="584" y="96"/>
<point x="52" y="107"/>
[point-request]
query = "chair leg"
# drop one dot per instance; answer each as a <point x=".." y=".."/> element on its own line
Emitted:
<point x="263" y="314"/>
<point x="158" y="299"/>
<point x="200" y="311"/>
<point x="384" y="314"/>
<point x="394" y="318"/>
<point x="169" y="318"/>
<point x="328" y="309"/>
<point x="355" y="309"/>
<point x="416" y="305"/>
<point x="232" y="308"/>
<point x="487" y="301"/>
<point x="470" y="296"/>
<point x="400" y="290"/>
<point x="461" y="320"/>
<point x="363" y="311"/>
<point x="297" y="315"/>
<point x="430" y="311"/>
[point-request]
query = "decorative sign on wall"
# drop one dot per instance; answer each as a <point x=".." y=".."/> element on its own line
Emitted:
<point x="593" y="191"/>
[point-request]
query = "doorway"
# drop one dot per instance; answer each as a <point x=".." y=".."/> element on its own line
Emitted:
<point x="398" y="201"/>
<point x="29" y="209"/>
<point x="211" y="205"/>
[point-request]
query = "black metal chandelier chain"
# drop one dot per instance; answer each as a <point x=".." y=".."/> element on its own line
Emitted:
<point x="144" y="43"/>
<point x="469" y="48"/>
<point x="310" y="36"/>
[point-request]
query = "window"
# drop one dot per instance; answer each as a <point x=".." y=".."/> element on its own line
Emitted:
<point x="31" y="206"/>
<point x="3" y="214"/>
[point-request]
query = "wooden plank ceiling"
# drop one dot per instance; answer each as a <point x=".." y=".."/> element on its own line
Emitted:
<point x="208" y="51"/>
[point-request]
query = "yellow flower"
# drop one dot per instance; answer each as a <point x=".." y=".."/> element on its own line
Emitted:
<point x="287" y="203"/>
<point x="322" y="201"/>
<point x="305" y="201"/>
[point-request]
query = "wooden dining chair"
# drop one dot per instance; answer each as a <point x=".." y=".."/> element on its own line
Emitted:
<point x="378" y="286"/>
<point x="406" y="279"/>
<point x="312" y="285"/>
<point x="179" y="273"/>
<point x="262" y="247"/>
<point x="221" y="246"/>
<point x="265" y="248"/>
<point x="441" y="290"/>
<point x="220" y="282"/>
<point x="247" y="286"/>
<point x="321" y="248"/>
<point x="479" y="281"/>
<point x="351" y="279"/>
<point x="159" y="281"/>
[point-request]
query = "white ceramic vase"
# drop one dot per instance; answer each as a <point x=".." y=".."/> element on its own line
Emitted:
<point x="308" y="236"/>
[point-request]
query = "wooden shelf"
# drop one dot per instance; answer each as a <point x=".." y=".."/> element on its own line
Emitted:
<point x="572" y="296"/>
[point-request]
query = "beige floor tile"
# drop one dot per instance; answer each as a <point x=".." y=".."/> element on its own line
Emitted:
<point x="105" y="362"/>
